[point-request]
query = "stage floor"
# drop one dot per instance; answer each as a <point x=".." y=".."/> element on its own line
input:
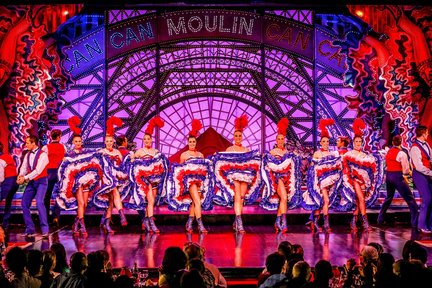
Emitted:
<point x="223" y="247"/>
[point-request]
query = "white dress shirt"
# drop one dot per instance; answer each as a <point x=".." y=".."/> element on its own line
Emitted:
<point x="416" y="158"/>
<point x="2" y="170"/>
<point x="40" y="165"/>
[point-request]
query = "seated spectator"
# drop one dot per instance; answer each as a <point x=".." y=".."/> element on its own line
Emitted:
<point x="207" y="276"/>
<point x="377" y="246"/>
<point x="75" y="278"/>
<point x="285" y="248"/>
<point x="34" y="262"/>
<point x="384" y="276"/>
<point x="94" y="273"/>
<point x="368" y="264"/>
<point x="16" y="261"/>
<point x="191" y="279"/>
<point x="61" y="261"/>
<point x="123" y="281"/>
<point x="173" y="267"/>
<point x="323" y="274"/>
<point x="47" y="274"/>
<point x="195" y="251"/>
<point x="300" y="275"/>
<point x="275" y="266"/>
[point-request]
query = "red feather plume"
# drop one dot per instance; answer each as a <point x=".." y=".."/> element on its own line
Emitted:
<point x="196" y="126"/>
<point x="73" y="123"/>
<point x="154" y="122"/>
<point x="111" y="122"/>
<point x="241" y="122"/>
<point x="322" y="126"/>
<point x="283" y="126"/>
<point x="358" y="127"/>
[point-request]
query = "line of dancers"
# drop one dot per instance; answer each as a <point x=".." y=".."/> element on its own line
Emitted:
<point x="111" y="177"/>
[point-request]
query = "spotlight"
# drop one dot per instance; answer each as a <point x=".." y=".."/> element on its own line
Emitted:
<point x="359" y="13"/>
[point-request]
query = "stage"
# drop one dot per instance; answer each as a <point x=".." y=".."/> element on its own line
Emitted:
<point x="225" y="248"/>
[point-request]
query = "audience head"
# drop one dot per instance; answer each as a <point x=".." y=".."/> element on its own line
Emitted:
<point x="285" y="247"/>
<point x="386" y="261"/>
<point x="174" y="260"/>
<point x="412" y="250"/>
<point x="192" y="278"/>
<point x="377" y="246"/>
<point x="106" y="257"/>
<point x="196" y="264"/>
<point x="323" y="270"/>
<point x="48" y="261"/>
<point x="301" y="270"/>
<point x="368" y="255"/>
<point x="95" y="262"/>
<point x="61" y="260"/>
<point x="297" y="249"/>
<point x="123" y="281"/>
<point x="78" y="262"/>
<point x="16" y="260"/>
<point x="34" y="261"/>
<point x="193" y="251"/>
<point x="275" y="263"/>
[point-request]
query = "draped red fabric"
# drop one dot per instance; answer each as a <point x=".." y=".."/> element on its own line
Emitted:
<point x="208" y="143"/>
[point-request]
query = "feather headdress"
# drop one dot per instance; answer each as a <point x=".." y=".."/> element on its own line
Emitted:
<point x="358" y="127"/>
<point x="73" y="123"/>
<point x="196" y="126"/>
<point x="322" y="126"/>
<point x="111" y="122"/>
<point x="283" y="126"/>
<point x="154" y="122"/>
<point x="241" y="122"/>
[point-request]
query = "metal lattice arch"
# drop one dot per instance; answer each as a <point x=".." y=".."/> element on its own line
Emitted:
<point x="214" y="81"/>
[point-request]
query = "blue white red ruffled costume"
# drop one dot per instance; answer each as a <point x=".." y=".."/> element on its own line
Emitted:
<point x="146" y="173"/>
<point x="239" y="166"/>
<point x="197" y="171"/>
<point x="287" y="168"/>
<point x="325" y="172"/>
<point x="368" y="170"/>
<point x="86" y="169"/>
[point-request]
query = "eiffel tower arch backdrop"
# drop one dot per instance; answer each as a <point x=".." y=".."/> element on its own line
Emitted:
<point x="213" y="65"/>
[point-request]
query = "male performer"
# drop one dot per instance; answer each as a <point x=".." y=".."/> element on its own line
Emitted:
<point x="420" y="154"/>
<point x="34" y="172"/>
<point x="397" y="168"/>
<point x="56" y="152"/>
<point x="8" y="185"/>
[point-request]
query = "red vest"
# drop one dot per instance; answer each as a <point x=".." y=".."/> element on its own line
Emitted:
<point x="425" y="158"/>
<point x="342" y="151"/>
<point x="392" y="164"/>
<point x="56" y="153"/>
<point x="123" y="151"/>
<point x="10" y="169"/>
<point x="32" y="166"/>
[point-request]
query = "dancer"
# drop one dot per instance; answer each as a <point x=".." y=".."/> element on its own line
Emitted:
<point x="280" y="170"/>
<point x="194" y="186"/>
<point x="397" y="169"/>
<point x="81" y="174"/>
<point x="34" y="172"/>
<point x="420" y="155"/>
<point x="8" y="185"/>
<point x="323" y="178"/>
<point x="81" y="194"/>
<point x="240" y="180"/>
<point x="278" y="152"/>
<point x="114" y="198"/>
<point x="56" y="152"/>
<point x="342" y="146"/>
<point x="362" y="175"/>
<point x="153" y="174"/>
